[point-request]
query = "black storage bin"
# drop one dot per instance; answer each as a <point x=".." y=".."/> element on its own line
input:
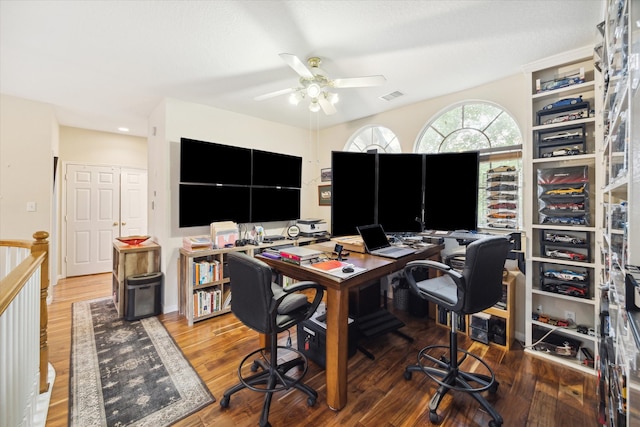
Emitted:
<point x="312" y="336"/>
<point x="143" y="295"/>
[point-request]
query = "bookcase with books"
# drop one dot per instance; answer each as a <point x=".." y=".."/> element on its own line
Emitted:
<point x="204" y="285"/>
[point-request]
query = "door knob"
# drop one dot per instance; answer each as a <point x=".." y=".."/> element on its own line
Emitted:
<point x="124" y="223"/>
<point x="115" y="224"/>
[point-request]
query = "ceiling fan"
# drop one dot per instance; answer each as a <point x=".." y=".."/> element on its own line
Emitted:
<point x="315" y="85"/>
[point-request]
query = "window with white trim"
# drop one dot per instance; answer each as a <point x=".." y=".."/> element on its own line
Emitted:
<point x="373" y="137"/>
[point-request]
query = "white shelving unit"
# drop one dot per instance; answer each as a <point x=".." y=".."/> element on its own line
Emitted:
<point x="619" y="387"/>
<point x="550" y="300"/>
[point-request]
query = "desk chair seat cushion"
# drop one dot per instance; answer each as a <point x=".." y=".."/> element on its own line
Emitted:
<point x="443" y="288"/>
<point x="291" y="302"/>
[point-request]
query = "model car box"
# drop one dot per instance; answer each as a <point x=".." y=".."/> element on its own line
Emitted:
<point x="224" y="233"/>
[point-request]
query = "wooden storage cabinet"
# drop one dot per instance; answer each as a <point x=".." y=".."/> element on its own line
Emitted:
<point x="128" y="261"/>
<point x="563" y="213"/>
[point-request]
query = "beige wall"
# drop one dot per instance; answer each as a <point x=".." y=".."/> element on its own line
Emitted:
<point x="102" y="148"/>
<point x="28" y="144"/>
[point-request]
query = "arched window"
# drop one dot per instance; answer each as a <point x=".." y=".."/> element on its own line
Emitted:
<point x="380" y="138"/>
<point x="487" y="128"/>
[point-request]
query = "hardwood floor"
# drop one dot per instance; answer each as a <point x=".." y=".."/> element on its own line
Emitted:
<point x="532" y="392"/>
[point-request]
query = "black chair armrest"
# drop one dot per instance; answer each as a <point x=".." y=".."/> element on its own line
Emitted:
<point x="310" y="308"/>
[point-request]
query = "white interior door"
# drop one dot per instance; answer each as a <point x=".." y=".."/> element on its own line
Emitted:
<point x="133" y="202"/>
<point x="92" y="218"/>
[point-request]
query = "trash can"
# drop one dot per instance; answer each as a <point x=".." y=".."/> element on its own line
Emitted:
<point x="143" y="295"/>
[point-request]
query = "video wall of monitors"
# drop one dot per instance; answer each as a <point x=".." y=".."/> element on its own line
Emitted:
<point x="226" y="183"/>
<point x="404" y="192"/>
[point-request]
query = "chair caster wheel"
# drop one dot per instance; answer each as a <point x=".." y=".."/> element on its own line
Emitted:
<point x="224" y="402"/>
<point x="492" y="423"/>
<point x="407" y="375"/>
<point x="267" y="424"/>
<point x="434" y="417"/>
<point x="311" y="401"/>
<point x="254" y="367"/>
<point x="494" y="388"/>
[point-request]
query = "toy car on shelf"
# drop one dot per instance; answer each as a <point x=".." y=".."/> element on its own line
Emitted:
<point x="565" y="206"/>
<point x="502" y="206"/>
<point x="572" y="291"/>
<point x="561" y="82"/>
<point x="567" y="220"/>
<point x="507" y="215"/>
<point x="563" y="103"/>
<point x="502" y="223"/>
<point x="562" y="135"/>
<point x="503" y="187"/>
<point x="566" y="274"/>
<point x="565" y="191"/>
<point x="502" y="169"/>
<point x="565" y="118"/>
<point x="566" y="254"/>
<point x="565" y="151"/>
<point x="502" y="196"/>
<point x="501" y="178"/>
<point x="563" y="238"/>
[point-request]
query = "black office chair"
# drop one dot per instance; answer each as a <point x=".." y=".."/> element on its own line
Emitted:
<point x="269" y="309"/>
<point x="476" y="288"/>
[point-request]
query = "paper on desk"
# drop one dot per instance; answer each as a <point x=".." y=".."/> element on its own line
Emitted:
<point x="334" y="267"/>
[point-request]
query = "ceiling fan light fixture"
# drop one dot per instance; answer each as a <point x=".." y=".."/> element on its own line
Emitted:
<point x="295" y="98"/>
<point x="314" y="90"/>
<point x="333" y="98"/>
<point x="314" y="107"/>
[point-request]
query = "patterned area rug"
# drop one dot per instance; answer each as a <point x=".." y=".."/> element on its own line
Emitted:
<point x="128" y="373"/>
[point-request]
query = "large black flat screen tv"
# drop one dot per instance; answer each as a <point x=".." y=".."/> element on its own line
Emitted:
<point x="400" y="192"/>
<point x="451" y="191"/>
<point x="274" y="204"/>
<point x="211" y="163"/>
<point x="353" y="196"/>
<point x="276" y="170"/>
<point x="203" y="204"/>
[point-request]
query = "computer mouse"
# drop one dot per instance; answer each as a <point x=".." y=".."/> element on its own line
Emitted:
<point x="347" y="269"/>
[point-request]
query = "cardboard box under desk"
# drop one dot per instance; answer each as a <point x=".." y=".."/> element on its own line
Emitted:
<point x="352" y="243"/>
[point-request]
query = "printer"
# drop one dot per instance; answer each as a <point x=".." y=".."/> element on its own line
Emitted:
<point x="312" y="227"/>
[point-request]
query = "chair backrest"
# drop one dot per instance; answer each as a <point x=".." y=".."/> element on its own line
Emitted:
<point x="251" y="291"/>
<point x="482" y="272"/>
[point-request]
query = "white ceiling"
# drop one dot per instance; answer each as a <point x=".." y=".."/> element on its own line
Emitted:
<point x="105" y="64"/>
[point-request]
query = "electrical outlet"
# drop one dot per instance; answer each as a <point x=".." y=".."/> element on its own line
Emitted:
<point x="570" y="315"/>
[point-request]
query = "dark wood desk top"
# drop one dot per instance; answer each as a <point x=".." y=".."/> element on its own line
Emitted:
<point x="375" y="266"/>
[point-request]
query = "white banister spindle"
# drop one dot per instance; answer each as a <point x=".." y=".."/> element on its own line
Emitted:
<point x="19" y="345"/>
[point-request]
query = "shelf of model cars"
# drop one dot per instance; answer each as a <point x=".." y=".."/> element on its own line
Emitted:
<point x="561" y="142"/>
<point x="559" y="346"/>
<point x="547" y="83"/>
<point x="588" y="334"/>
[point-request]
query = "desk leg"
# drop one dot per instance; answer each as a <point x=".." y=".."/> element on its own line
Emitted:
<point x="337" y="347"/>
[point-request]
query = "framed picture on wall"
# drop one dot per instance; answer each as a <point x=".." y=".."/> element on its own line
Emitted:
<point x="325" y="174"/>
<point x="324" y="195"/>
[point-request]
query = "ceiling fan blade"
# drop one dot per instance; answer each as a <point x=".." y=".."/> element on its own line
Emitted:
<point x="274" y="94"/>
<point x="297" y="65"/>
<point x="326" y="106"/>
<point x="359" y="81"/>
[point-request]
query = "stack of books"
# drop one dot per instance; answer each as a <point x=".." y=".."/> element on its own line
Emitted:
<point x="206" y="272"/>
<point x="299" y="255"/>
<point x="197" y="243"/>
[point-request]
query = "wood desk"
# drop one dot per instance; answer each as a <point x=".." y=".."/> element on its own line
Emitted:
<point x="338" y="305"/>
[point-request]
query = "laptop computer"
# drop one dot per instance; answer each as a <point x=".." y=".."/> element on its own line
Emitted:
<point x="376" y="242"/>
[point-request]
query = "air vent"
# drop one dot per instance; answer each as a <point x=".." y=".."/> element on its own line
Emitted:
<point x="392" y="95"/>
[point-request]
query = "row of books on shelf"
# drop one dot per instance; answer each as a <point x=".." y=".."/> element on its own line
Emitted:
<point x="206" y="272"/>
<point x="209" y="301"/>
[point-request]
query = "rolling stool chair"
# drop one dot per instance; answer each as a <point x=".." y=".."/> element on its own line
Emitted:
<point x="269" y="309"/>
<point x="476" y="288"/>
